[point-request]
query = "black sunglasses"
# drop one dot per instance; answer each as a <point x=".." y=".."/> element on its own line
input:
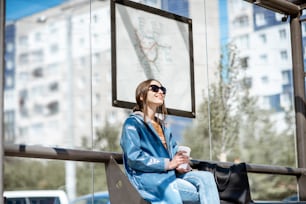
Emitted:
<point x="156" y="88"/>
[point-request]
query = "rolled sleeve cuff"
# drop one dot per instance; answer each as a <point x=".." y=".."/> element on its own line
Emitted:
<point x="167" y="161"/>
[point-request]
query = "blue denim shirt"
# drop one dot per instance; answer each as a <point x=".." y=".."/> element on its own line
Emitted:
<point x="146" y="159"/>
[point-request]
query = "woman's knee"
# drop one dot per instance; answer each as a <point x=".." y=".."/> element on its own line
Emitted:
<point x="188" y="191"/>
<point x="205" y="176"/>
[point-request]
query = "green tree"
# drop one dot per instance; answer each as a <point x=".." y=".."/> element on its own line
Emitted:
<point x="107" y="139"/>
<point x="271" y="147"/>
<point x="219" y="116"/>
<point x="33" y="174"/>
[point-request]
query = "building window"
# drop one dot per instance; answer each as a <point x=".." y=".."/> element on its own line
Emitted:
<point x="23" y="131"/>
<point x="37" y="91"/>
<point x="23" y="40"/>
<point x="37" y="72"/>
<point x="282" y="34"/>
<point x="24" y="58"/>
<point x="83" y="61"/>
<point x="37" y="129"/>
<point x="9" y="65"/>
<point x="97" y="119"/>
<point x="275" y="102"/>
<point x="52" y="28"/>
<point x="81" y="82"/>
<point x="81" y="21"/>
<point x="96" y="58"/>
<point x="82" y="42"/>
<point x="260" y="19"/>
<point x="9" y="47"/>
<point x="23" y="98"/>
<point x="54" y="48"/>
<point x="38" y="56"/>
<point x="23" y="77"/>
<point x="38" y="109"/>
<point x="112" y="117"/>
<point x="243" y="41"/>
<point x="53" y="87"/>
<point x="96" y="78"/>
<point x="263" y="38"/>
<point x="95" y="37"/>
<point x="52" y="69"/>
<point x="53" y="108"/>
<point x="95" y="18"/>
<point x="263" y="58"/>
<point x="9" y="99"/>
<point x="284" y="55"/>
<point x="287" y="77"/>
<point x="241" y="22"/>
<point x="53" y="125"/>
<point x="266" y="102"/>
<point x="38" y="37"/>
<point x="96" y="99"/>
<point x="265" y="79"/>
<point x="9" y="81"/>
<point x="244" y="62"/>
<point x="9" y="126"/>
<point x="248" y="82"/>
<point x="286" y="100"/>
<point x="303" y="29"/>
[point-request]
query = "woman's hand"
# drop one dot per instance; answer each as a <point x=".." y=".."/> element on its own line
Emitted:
<point x="183" y="170"/>
<point x="177" y="160"/>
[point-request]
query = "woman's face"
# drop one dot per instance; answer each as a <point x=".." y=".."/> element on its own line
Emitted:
<point x="156" y="94"/>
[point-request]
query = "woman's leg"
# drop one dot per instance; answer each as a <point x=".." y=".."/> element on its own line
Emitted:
<point x="179" y="191"/>
<point x="187" y="191"/>
<point x="205" y="183"/>
<point x="170" y="194"/>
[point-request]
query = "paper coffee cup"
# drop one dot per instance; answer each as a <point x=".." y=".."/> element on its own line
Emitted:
<point x="186" y="152"/>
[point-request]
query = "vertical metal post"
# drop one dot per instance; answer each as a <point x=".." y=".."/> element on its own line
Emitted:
<point x="2" y="34"/>
<point x="299" y="97"/>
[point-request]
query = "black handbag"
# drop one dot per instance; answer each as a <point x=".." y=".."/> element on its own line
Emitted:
<point x="232" y="182"/>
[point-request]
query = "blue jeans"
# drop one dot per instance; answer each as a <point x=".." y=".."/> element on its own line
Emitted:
<point x="198" y="186"/>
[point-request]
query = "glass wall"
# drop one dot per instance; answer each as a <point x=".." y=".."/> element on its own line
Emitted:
<point x="58" y="90"/>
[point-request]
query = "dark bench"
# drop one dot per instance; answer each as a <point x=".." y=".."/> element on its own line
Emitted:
<point x="121" y="191"/>
<point x="42" y="152"/>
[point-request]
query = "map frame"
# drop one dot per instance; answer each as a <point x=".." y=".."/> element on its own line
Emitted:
<point x="122" y="85"/>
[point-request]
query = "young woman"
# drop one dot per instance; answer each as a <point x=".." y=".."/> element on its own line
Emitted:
<point x="151" y="159"/>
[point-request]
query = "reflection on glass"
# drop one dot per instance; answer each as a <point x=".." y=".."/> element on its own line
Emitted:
<point x="58" y="88"/>
<point x="51" y="55"/>
<point x="25" y="178"/>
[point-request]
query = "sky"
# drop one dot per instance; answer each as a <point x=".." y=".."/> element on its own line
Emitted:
<point x="16" y="9"/>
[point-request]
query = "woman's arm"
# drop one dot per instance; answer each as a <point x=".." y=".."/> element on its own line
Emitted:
<point x="137" y="158"/>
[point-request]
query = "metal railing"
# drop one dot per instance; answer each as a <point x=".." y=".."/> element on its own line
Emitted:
<point x="42" y="152"/>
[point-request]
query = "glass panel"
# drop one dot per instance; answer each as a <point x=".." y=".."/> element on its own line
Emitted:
<point x="38" y="180"/>
<point x="58" y="89"/>
<point x="31" y="179"/>
<point x="51" y="89"/>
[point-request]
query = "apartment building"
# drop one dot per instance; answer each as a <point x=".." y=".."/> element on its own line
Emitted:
<point x="61" y="76"/>
<point x="62" y="82"/>
<point x="263" y="38"/>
